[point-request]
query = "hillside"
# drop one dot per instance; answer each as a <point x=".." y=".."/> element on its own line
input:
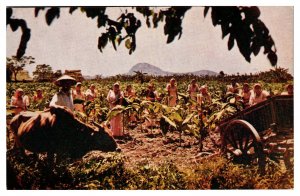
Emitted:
<point x="156" y="71"/>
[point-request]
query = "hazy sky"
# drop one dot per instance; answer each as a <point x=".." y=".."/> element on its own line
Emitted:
<point x="71" y="43"/>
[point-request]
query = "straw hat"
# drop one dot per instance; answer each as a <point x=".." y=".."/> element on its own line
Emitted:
<point x="19" y="90"/>
<point x="257" y="85"/>
<point x="65" y="79"/>
<point x="203" y="86"/>
<point x="289" y="86"/>
<point x="246" y="85"/>
<point x="78" y="83"/>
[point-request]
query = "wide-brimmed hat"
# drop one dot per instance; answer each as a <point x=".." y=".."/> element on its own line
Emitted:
<point x="203" y="87"/>
<point x="78" y="83"/>
<point x="246" y="85"/>
<point x="64" y="80"/>
<point x="20" y="90"/>
<point x="289" y="86"/>
<point x="257" y="85"/>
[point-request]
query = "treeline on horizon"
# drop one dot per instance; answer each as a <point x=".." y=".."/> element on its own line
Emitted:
<point x="273" y="75"/>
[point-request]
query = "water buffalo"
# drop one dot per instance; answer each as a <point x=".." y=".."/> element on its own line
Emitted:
<point x="56" y="130"/>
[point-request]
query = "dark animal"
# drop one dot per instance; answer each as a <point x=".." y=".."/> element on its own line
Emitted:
<point x="56" y="130"/>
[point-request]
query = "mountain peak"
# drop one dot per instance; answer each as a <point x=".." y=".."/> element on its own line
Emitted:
<point x="149" y="69"/>
<point x="156" y="71"/>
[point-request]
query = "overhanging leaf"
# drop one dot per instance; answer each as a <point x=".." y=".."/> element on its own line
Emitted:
<point x="128" y="44"/>
<point x="51" y="14"/>
<point x="273" y="58"/>
<point x="230" y="43"/>
<point x="205" y="11"/>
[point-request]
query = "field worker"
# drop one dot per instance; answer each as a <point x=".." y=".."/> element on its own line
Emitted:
<point x="172" y="92"/>
<point x="38" y="96"/>
<point x="151" y="94"/>
<point x="245" y="94"/>
<point x="91" y="93"/>
<point x="130" y="93"/>
<point x="203" y="96"/>
<point x="258" y="95"/>
<point x="289" y="90"/>
<point x="17" y="101"/>
<point x="64" y="96"/>
<point x="193" y="89"/>
<point x="78" y="97"/>
<point x="233" y="88"/>
<point x="114" y="98"/>
<point x="26" y="100"/>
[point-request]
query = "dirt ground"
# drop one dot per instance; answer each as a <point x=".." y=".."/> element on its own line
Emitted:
<point x="151" y="146"/>
<point x="148" y="145"/>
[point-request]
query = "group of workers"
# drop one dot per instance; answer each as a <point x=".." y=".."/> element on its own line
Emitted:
<point x="66" y="97"/>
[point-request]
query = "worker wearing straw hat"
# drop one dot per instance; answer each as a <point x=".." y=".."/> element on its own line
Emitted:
<point x="203" y="96"/>
<point x="289" y="90"/>
<point x="258" y="94"/>
<point x="64" y="96"/>
<point x="17" y="101"/>
<point x="114" y="98"/>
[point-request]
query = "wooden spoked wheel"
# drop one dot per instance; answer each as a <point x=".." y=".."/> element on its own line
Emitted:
<point x="241" y="142"/>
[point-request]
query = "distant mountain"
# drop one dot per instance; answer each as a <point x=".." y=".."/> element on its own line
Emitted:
<point x="149" y="69"/>
<point x="153" y="70"/>
<point x="89" y="77"/>
<point x="203" y="73"/>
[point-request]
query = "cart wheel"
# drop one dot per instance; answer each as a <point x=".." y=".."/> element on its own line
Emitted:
<point x="241" y="141"/>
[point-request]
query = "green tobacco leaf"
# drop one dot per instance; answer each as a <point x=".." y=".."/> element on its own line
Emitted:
<point x="176" y="116"/>
<point x="195" y="119"/>
<point x="157" y="107"/>
<point x="166" y="108"/>
<point x="173" y="124"/>
<point x="9" y="112"/>
<point x="114" y="112"/>
<point x="81" y="114"/>
<point x="188" y="118"/>
<point x="136" y="106"/>
<point x="146" y="103"/>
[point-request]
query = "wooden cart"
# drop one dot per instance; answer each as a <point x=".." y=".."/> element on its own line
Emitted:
<point x="265" y="129"/>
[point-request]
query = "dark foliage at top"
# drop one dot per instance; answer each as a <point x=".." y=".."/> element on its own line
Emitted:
<point x="241" y="24"/>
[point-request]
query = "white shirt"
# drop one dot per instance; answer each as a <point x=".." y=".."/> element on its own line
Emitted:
<point x="20" y="103"/>
<point x="90" y="96"/>
<point x="63" y="99"/>
<point x="112" y="97"/>
<point x="193" y="91"/>
<point x="206" y="98"/>
<point x="256" y="99"/>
